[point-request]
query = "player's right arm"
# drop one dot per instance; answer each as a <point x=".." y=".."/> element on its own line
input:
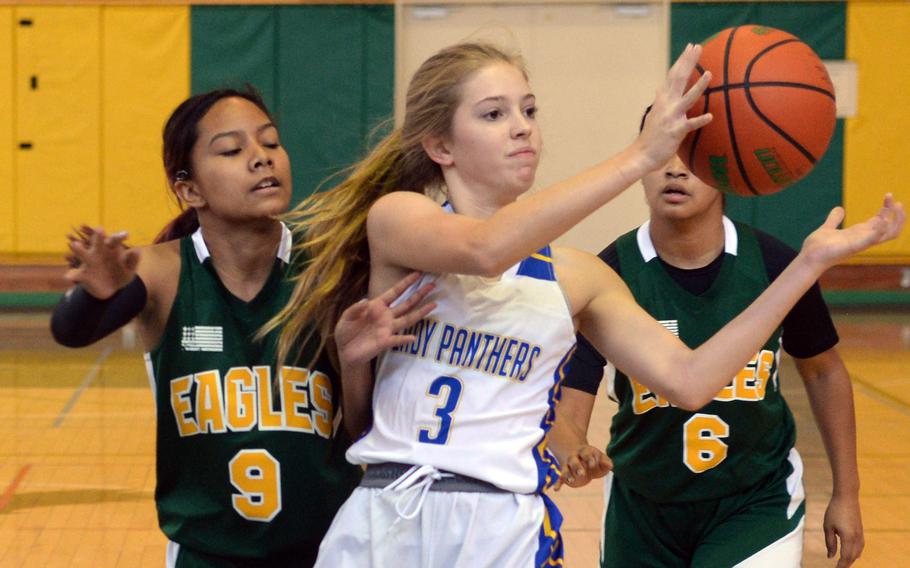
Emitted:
<point x="112" y="285"/>
<point x="408" y="231"/>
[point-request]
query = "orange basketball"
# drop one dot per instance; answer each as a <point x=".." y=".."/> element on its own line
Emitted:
<point x="773" y="107"/>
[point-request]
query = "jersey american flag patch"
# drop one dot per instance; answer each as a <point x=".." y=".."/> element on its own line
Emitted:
<point x="671" y="325"/>
<point x="202" y="338"/>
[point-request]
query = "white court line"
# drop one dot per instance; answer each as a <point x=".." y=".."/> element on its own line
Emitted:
<point x="880" y="395"/>
<point x="89" y="377"/>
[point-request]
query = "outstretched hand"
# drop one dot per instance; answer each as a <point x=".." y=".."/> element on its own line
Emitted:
<point x="370" y="327"/>
<point x="843" y="523"/>
<point x="585" y="464"/>
<point x="667" y="123"/>
<point x="827" y="245"/>
<point x="101" y="263"/>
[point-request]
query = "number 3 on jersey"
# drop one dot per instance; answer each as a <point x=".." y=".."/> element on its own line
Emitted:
<point x="448" y="391"/>
<point x="703" y="447"/>
<point x="257" y="475"/>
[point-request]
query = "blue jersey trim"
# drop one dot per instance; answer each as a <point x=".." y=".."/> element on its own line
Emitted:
<point x="539" y="265"/>
<point x="547" y="465"/>
<point x="549" y="542"/>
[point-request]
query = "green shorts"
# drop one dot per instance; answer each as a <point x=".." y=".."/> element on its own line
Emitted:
<point x="764" y="520"/>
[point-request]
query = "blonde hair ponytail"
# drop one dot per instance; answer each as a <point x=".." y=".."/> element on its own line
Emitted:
<point x="330" y="227"/>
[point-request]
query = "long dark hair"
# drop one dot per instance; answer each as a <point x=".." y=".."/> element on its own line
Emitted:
<point x="179" y="137"/>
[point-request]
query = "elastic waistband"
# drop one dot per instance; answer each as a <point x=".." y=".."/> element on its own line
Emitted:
<point x="379" y="475"/>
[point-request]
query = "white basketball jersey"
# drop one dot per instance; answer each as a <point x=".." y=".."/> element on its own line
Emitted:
<point x="475" y="393"/>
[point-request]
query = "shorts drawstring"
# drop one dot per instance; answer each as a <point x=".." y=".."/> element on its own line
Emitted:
<point x="413" y="487"/>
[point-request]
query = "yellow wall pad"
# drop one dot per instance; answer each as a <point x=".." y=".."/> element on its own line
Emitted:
<point x="145" y="75"/>
<point x="875" y="142"/>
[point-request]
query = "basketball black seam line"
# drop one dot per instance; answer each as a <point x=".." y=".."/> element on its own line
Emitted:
<point x="799" y="147"/>
<point x="732" y="133"/>
<point x="760" y="84"/>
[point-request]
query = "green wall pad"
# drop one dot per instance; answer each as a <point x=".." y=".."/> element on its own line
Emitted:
<point x="796" y="211"/>
<point x="326" y="72"/>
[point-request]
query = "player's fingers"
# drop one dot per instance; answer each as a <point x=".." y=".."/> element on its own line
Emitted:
<point x="851" y="547"/>
<point x="79" y="250"/>
<point x="835" y="218"/>
<point x="677" y="70"/>
<point x="84" y="232"/>
<point x="398" y="288"/>
<point x="690" y="96"/>
<point x="831" y="541"/>
<point x="568" y="472"/>
<point x="699" y="121"/>
<point x="413" y="300"/>
<point x="96" y="239"/>
<point x="115" y="240"/>
<point x="579" y="474"/>
<point x="896" y="217"/>
<point x="75" y="235"/>
<point x="591" y="461"/>
<point x="400" y="340"/>
<point x="588" y="455"/>
<point x="682" y="69"/>
<point x="413" y="316"/>
<point x="604" y="465"/>
<point x="355" y="311"/>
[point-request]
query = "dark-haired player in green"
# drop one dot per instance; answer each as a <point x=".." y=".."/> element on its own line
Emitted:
<point x="249" y="471"/>
<point x="721" y="486"/>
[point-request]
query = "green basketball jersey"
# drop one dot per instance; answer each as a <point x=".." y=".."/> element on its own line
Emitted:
<point x="671" y="455"/>
<point x="245" y="470"/>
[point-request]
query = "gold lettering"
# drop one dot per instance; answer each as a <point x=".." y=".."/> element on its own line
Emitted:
<point x="209" y="406"/>
<point x="180" y="403"/>
<point x="240" y="398"/>
<point x="295" y="400"/>
<point x="269" y="419"/>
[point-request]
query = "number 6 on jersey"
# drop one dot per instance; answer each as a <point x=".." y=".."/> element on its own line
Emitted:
<point x="448" y="404"/>
<point x="703" y="445"/>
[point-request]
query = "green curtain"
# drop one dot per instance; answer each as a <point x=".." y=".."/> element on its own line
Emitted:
<point x="326" y="72"/>
<point x="794" y="212"/>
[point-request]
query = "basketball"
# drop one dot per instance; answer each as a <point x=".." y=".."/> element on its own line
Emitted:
<point x="773" y="107"/>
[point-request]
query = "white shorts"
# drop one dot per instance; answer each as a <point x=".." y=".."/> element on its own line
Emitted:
<point x="448" y="530"/>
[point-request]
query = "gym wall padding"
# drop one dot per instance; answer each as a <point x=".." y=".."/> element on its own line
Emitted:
<point x="877" y="145"/>
<point x="57" y="112"/>
<point x="327" y="73"/>
<point x="794" y="212"/>
<point x="145" y="71"/>
<point x="90" y="87"/>
<point x="91" y="90"/>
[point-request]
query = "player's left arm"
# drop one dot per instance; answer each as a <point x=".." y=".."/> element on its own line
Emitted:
<point x="831" y="397"/>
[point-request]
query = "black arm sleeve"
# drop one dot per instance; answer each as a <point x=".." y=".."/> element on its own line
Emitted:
<point x="808" y="329"/>
<point x="80" y="319"/>
<point x="586" y="368"/>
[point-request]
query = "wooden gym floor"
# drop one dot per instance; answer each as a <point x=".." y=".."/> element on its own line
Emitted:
<point x="77" y="445"/>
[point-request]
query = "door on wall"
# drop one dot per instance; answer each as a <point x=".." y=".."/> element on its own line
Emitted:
<point x="56" y="140"/>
